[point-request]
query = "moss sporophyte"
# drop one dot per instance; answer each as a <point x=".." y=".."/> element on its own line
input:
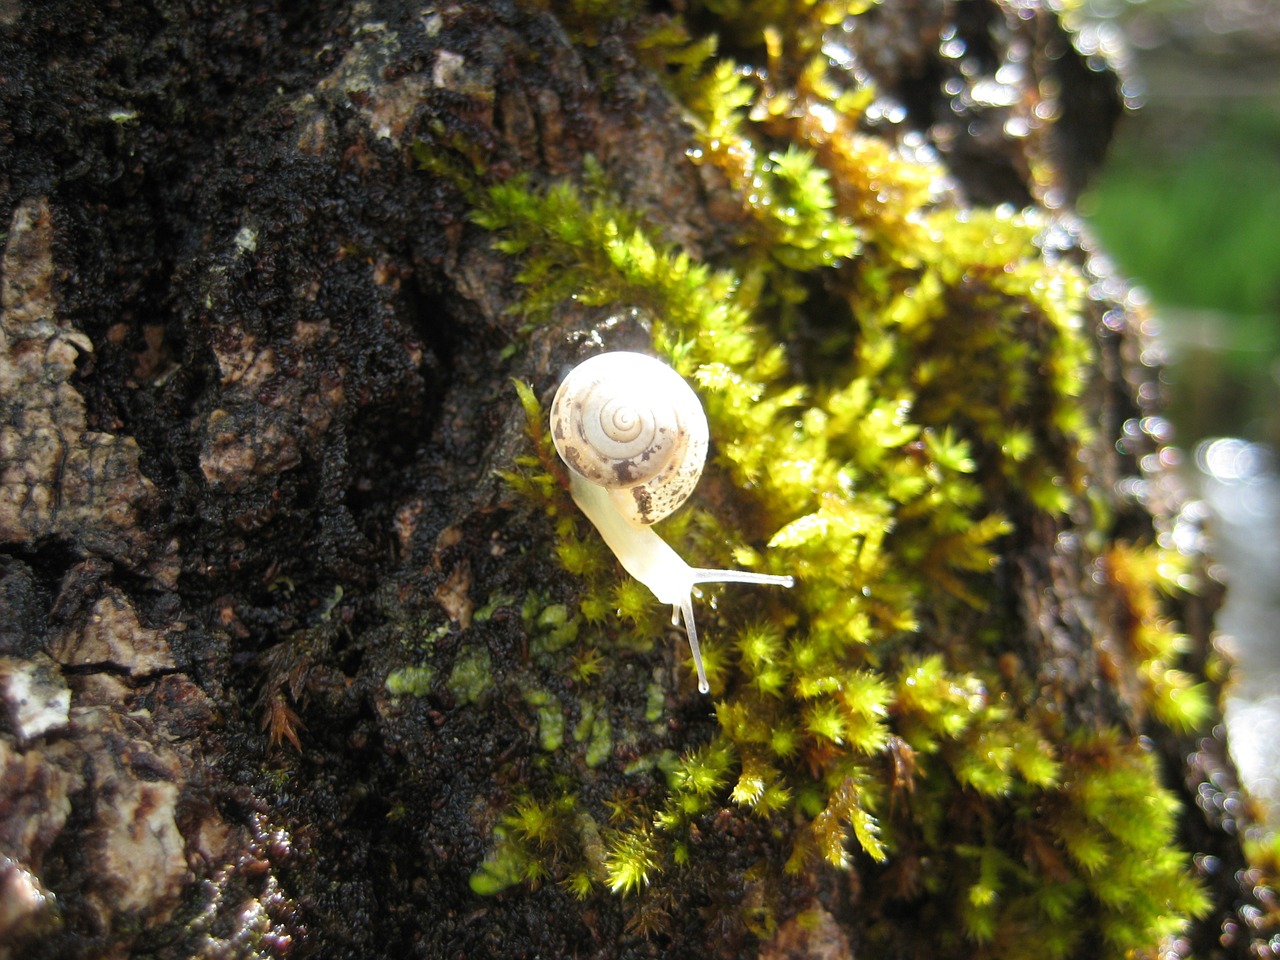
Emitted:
<point x="876" y="715"/>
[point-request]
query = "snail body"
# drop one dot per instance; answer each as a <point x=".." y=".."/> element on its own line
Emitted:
<point x="634" y="437"/>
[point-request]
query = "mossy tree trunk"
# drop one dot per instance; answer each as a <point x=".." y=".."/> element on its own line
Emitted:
<point x="304" y="650"/>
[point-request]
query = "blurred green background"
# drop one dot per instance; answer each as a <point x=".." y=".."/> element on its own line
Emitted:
<point x="1189" y="203"/>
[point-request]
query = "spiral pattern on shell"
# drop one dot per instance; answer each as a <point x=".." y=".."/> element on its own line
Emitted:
<point x="631" y="424"/>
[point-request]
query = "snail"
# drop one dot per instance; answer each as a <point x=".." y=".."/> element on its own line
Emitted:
<point x="634" y="437"/>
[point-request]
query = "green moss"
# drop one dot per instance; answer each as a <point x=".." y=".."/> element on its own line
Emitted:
<point x="410" y="682"/>
<point x="1156" y="646"/>
<point x="550" y="717"/>
<point x="880" y="516"/>
<point x="596" y="730"/>
<point x="491" y="606"/>
<point x="507" y="864"/>
<point x="587" y="664"/>
<point x="554" y="629"/>
<point x="631" y="861"/>
<point x="471" y="679"/>
<point x="869" y="707"/>
<point x="541" y="840"/>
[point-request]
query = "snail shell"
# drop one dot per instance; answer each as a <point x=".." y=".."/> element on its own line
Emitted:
<point x="631" y="424"/>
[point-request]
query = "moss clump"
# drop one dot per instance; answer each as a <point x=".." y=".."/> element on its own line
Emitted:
<point x="1155" y="645"/>
<point x="869" y="712"/>
<point x="471" y="679"/>
<point x="595" y="731"/>
<point x="550" y="718"/>
<point x="531" y="842"/>
<point x="410" y="681"/>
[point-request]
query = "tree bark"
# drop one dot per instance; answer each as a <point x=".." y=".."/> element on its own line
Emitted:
<point x="268" y="607"/>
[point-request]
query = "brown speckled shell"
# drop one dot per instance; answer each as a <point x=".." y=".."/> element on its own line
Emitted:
<point x="631" y="424"/>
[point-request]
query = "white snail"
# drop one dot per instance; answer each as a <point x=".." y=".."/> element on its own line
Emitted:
<point x="634" y="437"/>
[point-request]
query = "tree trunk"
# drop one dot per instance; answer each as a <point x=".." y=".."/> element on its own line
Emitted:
<point x="306" y="650"/>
